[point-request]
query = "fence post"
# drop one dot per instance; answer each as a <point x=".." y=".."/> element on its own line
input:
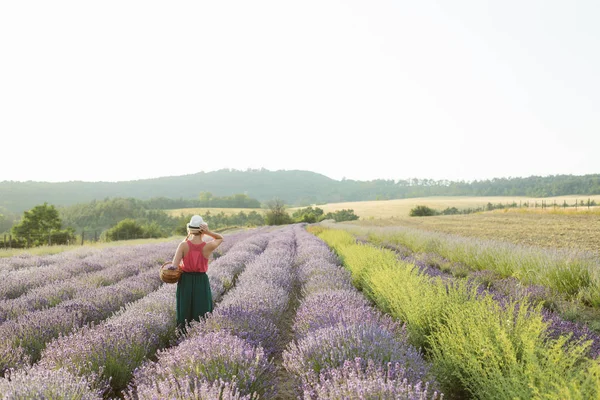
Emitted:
<point x="49" y="239"/>
<point x="10" y="241"/>
<point x="4" y="241"/>
<point x="95" y="236"/>
<point x="82" y="237"/>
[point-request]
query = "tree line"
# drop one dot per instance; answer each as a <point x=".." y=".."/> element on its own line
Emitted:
<point x="127" y="218"/>
<point x="298" y="188"/>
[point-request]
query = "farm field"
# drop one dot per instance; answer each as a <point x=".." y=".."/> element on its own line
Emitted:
<point x="399" y="208"/>
<point x="291" y="321"/>
<point x="202" y="211"/>
<point x="547" y="229"/>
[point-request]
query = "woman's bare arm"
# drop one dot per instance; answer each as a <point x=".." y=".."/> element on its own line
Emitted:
<point x="212" y="245"/>
<point x="178" y="254"/>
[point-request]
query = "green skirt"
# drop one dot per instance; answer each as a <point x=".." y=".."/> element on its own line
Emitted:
<point x="194" y="298"/>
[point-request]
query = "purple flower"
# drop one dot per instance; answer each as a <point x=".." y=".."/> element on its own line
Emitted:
<point x="330" y="347"/>
<point x="187" y="387"/>
<point x="37" y="383"/>
<point x="212" y="357"/>
<point x="354" y="381"/>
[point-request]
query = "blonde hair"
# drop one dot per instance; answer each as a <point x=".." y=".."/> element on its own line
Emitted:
<point x="194" y="232"/>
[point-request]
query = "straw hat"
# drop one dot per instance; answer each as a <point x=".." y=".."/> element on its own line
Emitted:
<point x="196" y="223"/>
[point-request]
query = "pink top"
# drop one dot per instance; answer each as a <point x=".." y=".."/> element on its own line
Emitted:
<point x="194" y="260"/>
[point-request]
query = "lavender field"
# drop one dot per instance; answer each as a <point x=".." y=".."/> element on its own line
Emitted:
<point x="293" y="319"/>
<point x="287" y="323"/>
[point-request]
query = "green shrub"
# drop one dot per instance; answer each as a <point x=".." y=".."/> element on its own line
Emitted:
<point x="342" y="215"/>
<point x="422" y="211"/>
<point x="277" y="214"/>
<point x="309" y="215"/>
<point x="126" y="229"/>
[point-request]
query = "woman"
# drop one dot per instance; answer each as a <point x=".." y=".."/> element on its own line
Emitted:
<point x="194" y="298"/>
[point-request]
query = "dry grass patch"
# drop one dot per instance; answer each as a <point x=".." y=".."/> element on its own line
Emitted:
<point x="401" y="207"/>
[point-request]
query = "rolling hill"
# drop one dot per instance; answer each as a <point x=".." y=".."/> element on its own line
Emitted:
<point x="295" y="187"/>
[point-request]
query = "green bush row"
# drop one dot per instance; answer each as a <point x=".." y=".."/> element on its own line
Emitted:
<point x="573" y="274"/>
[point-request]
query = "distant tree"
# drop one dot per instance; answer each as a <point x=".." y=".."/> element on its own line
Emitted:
<point x="153" y="230"/>
<point x="422" y="211"/>
<point x="126" y="229"/>
<point x="42" y="225"/>
<point x="309" y="215"/>
<point x="277" y="215"/>
<point x="451" y="211"/>
<point x="342" y="215"/>
<point x="4" y="225"/>
<point x="205" y="196"/>
<point x="7" y="220"/>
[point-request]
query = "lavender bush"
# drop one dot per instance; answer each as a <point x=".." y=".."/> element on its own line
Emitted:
<point x="329" y="348"/>
<point x="353" y="381"/>
<point x="214" y="357"/>
<point x="187" y="388"/>
<point x="326" y="309"/>
<point x="35" y="383"/>
<point x="243" y="323"/>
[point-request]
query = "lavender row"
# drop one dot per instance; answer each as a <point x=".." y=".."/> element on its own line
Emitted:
<point x="19" y="282"/>
<point x="42" y="382"/>
<point x="26" y="260"/>
<point x="228" y="352"/>
<point x="55" y="292"/>
<point x="107" y="354"/>
<point x="234" y="238"/>
<point x="261" y="294"/>
<point x="25" y="337"/>
<point x="223" y="272"/>
<point x="62" y="383"/>
<point x="344" y="348"/>
<point x="50" y="295"/>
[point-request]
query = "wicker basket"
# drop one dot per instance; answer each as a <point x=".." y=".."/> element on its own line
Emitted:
<point x="169" y="274"/>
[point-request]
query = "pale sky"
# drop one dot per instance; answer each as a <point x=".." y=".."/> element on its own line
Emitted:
<point x="460" y="90"/>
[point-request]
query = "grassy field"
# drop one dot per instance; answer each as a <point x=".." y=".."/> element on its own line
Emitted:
<point x="202" y="211"/>
<point x="569" y="230"/>
<point x="401" y="207"/>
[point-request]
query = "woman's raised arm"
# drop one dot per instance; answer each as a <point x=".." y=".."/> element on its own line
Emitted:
<point x="211" y="246"/>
